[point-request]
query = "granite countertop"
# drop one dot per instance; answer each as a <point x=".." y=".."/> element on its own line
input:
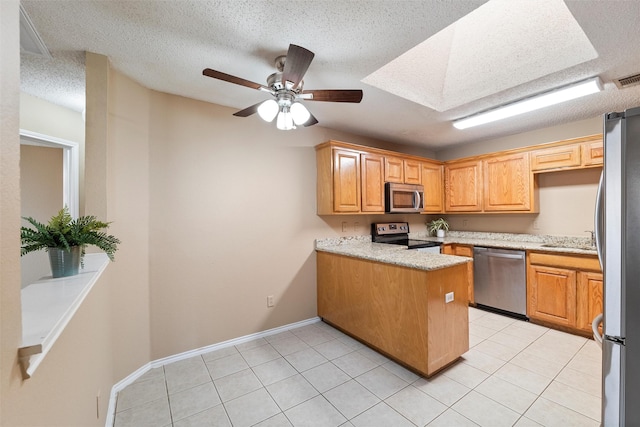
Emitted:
<point x="527" y="242"/>
<point x="362" y="247"/>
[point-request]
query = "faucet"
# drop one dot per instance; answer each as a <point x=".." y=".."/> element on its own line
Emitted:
<point x="593" y="237"/>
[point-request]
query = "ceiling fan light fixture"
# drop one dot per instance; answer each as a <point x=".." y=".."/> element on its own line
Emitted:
<point x="300" y="113"/>
<point x="285" y="119"/>
<point x="546" y="99"/>
<point x="268" y="110"/>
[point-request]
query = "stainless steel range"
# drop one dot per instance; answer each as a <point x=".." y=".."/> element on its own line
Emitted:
<point x="397" y="233"/>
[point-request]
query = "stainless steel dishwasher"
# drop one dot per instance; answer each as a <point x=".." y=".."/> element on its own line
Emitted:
<point x="500" y="281"/>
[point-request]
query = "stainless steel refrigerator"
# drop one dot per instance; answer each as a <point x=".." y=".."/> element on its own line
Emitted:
<point x="618" y="239"/>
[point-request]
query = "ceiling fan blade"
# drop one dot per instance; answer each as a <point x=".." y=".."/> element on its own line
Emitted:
<point x="312" y="121"/>
<point x="232" y="79"/>
<point x="296" y="64"/>
<point x="347" y="95"/>
<point x="248" y="111"/>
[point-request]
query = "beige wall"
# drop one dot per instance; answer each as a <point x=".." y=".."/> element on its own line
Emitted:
<point x="232" y="210"/>
<point x="126" y="168"/>
<point x="64" y="390"/>
<point x="41" y="197"/>
<point x="38" y="115"/>
<point x="567" y="199"/>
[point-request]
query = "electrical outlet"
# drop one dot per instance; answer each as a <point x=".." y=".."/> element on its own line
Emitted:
<point x="356" y="227"/>
<point x="270" y="301"/>
<point x="536" y="226"/>
<point x="465" y="223"/>
<point x="345" y="226"/>
<point x="448" y="297"/>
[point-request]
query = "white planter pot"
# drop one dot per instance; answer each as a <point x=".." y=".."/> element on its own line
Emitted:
<point x="439" y="233"/>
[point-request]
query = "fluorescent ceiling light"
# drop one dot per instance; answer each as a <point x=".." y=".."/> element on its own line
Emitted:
<point x="556" y="96"/>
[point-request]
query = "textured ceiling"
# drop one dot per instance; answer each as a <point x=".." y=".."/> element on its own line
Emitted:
<point x="165" y="45"/>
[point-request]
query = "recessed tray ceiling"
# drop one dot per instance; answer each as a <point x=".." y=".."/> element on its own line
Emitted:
<point x="500" y="45"/>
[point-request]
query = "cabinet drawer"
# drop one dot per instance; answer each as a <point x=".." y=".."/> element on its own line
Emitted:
<point x="556" y="157"/>
<point x="585" y="263"/>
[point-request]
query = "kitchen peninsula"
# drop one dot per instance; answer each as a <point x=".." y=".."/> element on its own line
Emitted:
<point x="410" y="306"/>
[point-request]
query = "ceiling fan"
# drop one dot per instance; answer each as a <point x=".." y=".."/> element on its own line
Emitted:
<point x="286" y="86"/>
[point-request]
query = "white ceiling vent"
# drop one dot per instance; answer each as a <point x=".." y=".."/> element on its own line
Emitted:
<point x="628" y="81"/>
<point x="30" y="40"/>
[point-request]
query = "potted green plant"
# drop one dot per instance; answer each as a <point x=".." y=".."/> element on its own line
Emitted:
<point x="65" y="239"/>
<point x="439" y="226"/>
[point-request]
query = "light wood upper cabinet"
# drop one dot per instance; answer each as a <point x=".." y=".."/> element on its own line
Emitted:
<point x="412" y="172"/>
<point x="433" y="183"/>
<point x="463" y="186"/>
<point x="564" y="156"/>
<point x="576" y="153"/>
<point x="346" y="181"/>
<point x="403" y="171"/>
<point x="508" y="183"/>
<point x="351" y="178"/>
<point x="593" y="153"/>
<point x="372" y="172"/>
<point x="393" y="169"/>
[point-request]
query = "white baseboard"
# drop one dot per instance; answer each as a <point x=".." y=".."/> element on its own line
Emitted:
<point x="119" y="386"/>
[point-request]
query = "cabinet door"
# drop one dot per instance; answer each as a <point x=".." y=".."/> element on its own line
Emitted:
<point x="346" y="181"/>
<point x="464" y="250"/>
<point x="564" y="156"/>
<point x="372" y="182"/>
<point x="508" y="183"/>
<point x="412" y="172"/>
<point x="463" y="187"/>
<point x="393" y="169"/>
<point x="589" y="295"/>
<point x="432" y="181"/>
<point x="592" y="153"/>
<point x="551" y="295"/>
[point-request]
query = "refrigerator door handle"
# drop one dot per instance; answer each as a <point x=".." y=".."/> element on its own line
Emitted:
<point x="594" y="327"/>
<point x="598" y="229"/>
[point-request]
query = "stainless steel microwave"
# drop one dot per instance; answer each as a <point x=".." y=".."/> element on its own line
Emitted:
<point x="403" y="198"/>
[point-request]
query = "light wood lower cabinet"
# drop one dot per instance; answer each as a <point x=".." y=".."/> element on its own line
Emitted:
<point x="551" y="295"/>
<point x="564" y="290"/>
<point x="589" y="296"/>
<point x="463" y="250"/>
<point x="397" y="310"/>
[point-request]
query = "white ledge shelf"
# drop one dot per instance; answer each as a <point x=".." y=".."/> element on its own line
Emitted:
<point x="47" y="307"/>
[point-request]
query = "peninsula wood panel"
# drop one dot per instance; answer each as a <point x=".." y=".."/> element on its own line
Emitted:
<point x="463" y="250"/>
<point x="551" y="295"/>
<point x="463" y="186"/>
<point x="346" y="181"/>
<point x="397" y="310"/>
<point x="589" y="299"/>
<point x="433" y="183"/>
<point x="372" y="177"/>
<point x="508" y="183"/>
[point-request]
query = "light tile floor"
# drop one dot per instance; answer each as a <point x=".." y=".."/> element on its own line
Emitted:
<point x="516" y="373"/>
